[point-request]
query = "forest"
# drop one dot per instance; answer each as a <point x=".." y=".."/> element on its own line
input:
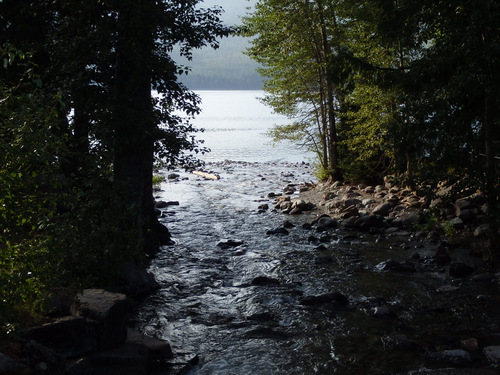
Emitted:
<point x="404" y="88"/>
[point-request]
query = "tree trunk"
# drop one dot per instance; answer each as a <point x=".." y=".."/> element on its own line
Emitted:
<point x="330" y="94"/>
<point x="133" y="114"/>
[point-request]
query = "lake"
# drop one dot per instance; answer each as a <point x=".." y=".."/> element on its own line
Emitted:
<point x="235" y="124"/>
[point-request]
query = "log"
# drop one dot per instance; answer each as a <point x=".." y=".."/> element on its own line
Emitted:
<point x="208" y="176"/>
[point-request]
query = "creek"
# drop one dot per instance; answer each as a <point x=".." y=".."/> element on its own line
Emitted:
<point x="209" y="306"/>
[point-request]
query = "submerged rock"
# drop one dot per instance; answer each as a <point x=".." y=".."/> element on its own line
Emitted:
<point x="454" y="357"/>
<point x="265" y="281"/>
<point x="337" y="298"/>
<point x="226" y="244"/>
<point x="279" y="230"/>
<point x="460" y="270"/>
<point x="393" y="265"/>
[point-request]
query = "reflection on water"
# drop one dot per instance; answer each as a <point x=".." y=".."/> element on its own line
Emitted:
<point x="207" y="304"/>
<point x="235" y="124"/>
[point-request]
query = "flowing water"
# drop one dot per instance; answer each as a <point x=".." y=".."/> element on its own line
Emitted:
<point x="208" y="305"/>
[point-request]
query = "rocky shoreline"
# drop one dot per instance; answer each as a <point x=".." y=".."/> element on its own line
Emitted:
<point x="388" y="209"/>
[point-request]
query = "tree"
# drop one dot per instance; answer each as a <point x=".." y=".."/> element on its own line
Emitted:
<point x="79" y="103"/>
<point x="296" y="41"/>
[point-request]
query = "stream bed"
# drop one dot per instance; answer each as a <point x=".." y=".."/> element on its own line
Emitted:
<point x="241" y="310"/>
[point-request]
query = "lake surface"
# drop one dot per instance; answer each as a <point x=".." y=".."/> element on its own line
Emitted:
<point x="235" y="124"/>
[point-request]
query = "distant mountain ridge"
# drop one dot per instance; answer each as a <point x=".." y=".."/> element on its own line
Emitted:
<point x="226" y="68"/>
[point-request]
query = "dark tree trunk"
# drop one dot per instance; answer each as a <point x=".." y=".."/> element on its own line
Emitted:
<point x="133" y="115"/>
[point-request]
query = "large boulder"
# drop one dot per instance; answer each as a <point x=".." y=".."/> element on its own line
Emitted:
<point x="138" y="283"/>
<point x="460" y="269"/>
<point x="108" y="311"/>
<point x="367" y="222"/>
<point x="69" y="337"/>
<point x="10" y="366"/>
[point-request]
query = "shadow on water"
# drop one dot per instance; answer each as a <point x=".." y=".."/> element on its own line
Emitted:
<point x="209" y="306"/>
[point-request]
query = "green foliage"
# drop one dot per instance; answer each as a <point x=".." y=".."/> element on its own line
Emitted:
<point x="69" y="216"/>
<point x="157" y="180"/>
<point x="449" y="230"/>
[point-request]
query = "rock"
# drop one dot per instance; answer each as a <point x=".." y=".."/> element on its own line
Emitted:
<point x="42" y="359"/>
<point x="484" y="278"/>
<point x="323" y="259"/>
<point x="158" y="236"/>
<point x="279" y="230"/>
<point x="173" y="176"/>
<point x="109" y="311"/>
<point x="325" y="222"/>
<point x="481" y="231"/>
<point x="383" y="209"/>
<point x="261" y="317"/>
<point x="127" y="359"/>
<point x="368" y="201"/>
<point x="300" y="204"/>
<point x="226" y="244"/>
<point x="471" y="345"/>
<point x="460" y="269"/>
<point x="329" y="195"/>
<point x="265" y="281"/>
<point x="352" y="202"/>
<point x="349" y="222"/>
<point x="383" y="312"/>
<point x="462" y="204"/>
<point x="263" y="207"/>
<point x="138" y="283"/>
<point x="454" y="357"/>
<point x="469" y="214"/>
<point x="457" y="223"/>
<point x="164" y="204"/>
<point x="288" y="225"/>
<point x="295" y="211"/>
<point x="493" y="354"/>
<point x="400" y="342"/>
<point x="335" y="298"/>
<point x="285" y="206"/>
<point x="9" y="366"/>
<point x="369" y="190"/>
<point x="393" y="265"/>
<point x="157" y="349"/>
<point x="365" y="223"/>
<point x="351" y="211"/>
<point x="325" y="238"/>
<point x="69" y="337"/>
<point x="58" y="302"/>
<point x="441" y="256"/>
